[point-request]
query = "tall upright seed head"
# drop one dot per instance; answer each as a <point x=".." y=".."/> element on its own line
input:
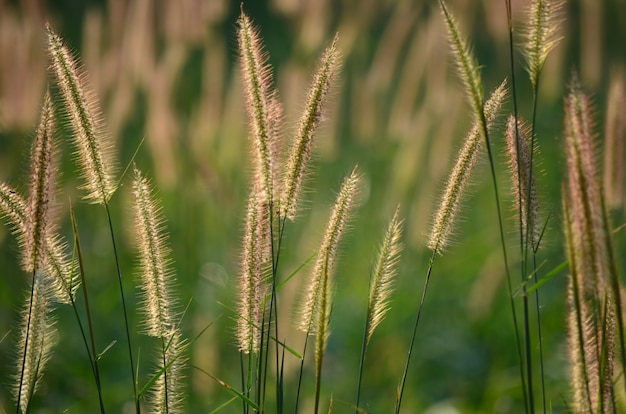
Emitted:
<point x="313" y="316"/>
<point x="41" y="338"/>
<point x="541" y="35"/>
<point x="41" y="191"/>
<point x="527" y="207"/>
<point x="93" y="147"/>
<point x="459" y="177"/>
<point x="252" y="288"/>
<point x="468" y="68"/>
<point x="296" y="169"/>
<point x="156" y="272"/>
<point x="263" y="108"/>
<point x="615" y="142"/>
<point x="381" y="283"/>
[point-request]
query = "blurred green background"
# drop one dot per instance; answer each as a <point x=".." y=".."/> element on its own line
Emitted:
<point x="167" y="71"/>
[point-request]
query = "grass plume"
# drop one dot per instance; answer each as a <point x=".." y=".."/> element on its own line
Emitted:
<point x="445" y="216"/>
<point x="93" y="147"/>
<point x="295" y="170"/>
<point x="263" y="109"/>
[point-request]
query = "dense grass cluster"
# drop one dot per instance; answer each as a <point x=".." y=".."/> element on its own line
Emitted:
<point x="283" y="348"/>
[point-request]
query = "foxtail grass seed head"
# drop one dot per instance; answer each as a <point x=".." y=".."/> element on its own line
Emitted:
<point x="41" y="192"/>
<point x="313" y="315"/>
<point x="263" y="111"/>
<point x="540" y="35"/>
<point x="167" y="395"/>
<point x="467" y="67"/>
<point x="527" y="207"/>
<point x="445" y="216"/>
<point x="252" y="288"/>
<point x="58" y="268"/>
<point x="156" y="273"/>
<point x="93" y="147"/>
<point x="615" y="138"/>
<point x="296" y="169"/>
<point x="38" y="346"/>
<point x="583" y="189"/>
<point x="381" y="283"/>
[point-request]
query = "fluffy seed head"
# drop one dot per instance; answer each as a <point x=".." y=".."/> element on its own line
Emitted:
<point x="156" y="273"/>
<point x="527" y="207"/>
<point x="316" y="304"/>
<point x="252" y="289"/>
<point x="263" y="108"/>
<point x="460" y="175"/>
<point x="467" y="67"/>
<point x="541" y="35"/>
<point x="296" y="169"/>
<point x="381" y="283"/>
<point x="93" y="147"/>
<point x="41" y="190"/>
<point x="40" y="330"/>
<point x="166" y="396"/>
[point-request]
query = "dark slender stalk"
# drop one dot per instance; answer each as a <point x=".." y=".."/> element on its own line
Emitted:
<point x="306" y="340"/>
<point x="119" y="279"/>
<point x="83" y="282"/>
<point x="417" y="320"/>
<point x="362" y="363"/>
<point x="30" y="312"/>
<point x="523" y="235"/>
<point x="167" y="407"/>
<point x="244" y="387"/>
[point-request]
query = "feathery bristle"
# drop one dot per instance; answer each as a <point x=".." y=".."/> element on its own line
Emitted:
<point x="156" y="273"/>
<point x="167" y="395"/>
<point x="251" y="288"/>
<point x="468" y="68"/>
<point x="540" y="35"/>
<point x="381" y="284"/>
<point x="40" y="330"/>
<point x="459" y="177"/>
<point x="296" y="168"/>
<point x="261" y="102"/>
<point x="93" y="147"/>
<point x="614" y="146"/>
<point x="313" y="314"/>
<point x="527" y="207"/>
<point x="41" y="189"/>
<point x="58" y="269"/>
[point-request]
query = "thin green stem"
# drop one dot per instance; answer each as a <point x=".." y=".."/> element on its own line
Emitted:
<point x="417" y="320"/>
<point x="306" y="340"/>
<point x="165" y="390"/>
<point x="119" y="279"/>
<point x="362" y="363"/>
<point x="83" y="280"/>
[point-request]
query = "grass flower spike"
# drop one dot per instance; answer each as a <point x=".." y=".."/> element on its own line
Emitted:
<point x="527" y="207"/>
<point x="252" y="290"/>
<point x="93" y="147"/>
<point x="158" y="302"/>
<point x="263" y="108"/>
<point x="36" y="338"/>
<point x="381" y="283"/>
<point x="468" y="68"/>
<point x="302" y="147"/>
<point x="460" y="175"/>
<point x="540" y="35"/>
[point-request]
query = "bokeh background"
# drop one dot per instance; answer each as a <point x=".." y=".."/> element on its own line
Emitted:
<point x="166" y="71"/>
